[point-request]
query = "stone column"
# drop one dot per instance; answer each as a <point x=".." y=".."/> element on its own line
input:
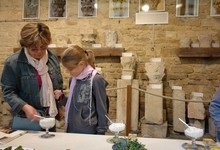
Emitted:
<point x="196" y="111"/>
<point x="179" y="109"/>
<point x="154" y="104"/>
<point x="122" y="102"/>
<point x="128" y="63"/>
<point x="154" y="124"/>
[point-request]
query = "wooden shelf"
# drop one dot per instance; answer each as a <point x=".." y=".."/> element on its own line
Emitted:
<point x="199" y="52"/>
<point x="98" y="52"/>
<point x="108" y="52"/>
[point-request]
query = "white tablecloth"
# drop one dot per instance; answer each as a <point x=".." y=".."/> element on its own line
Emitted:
<point x="67" y="141"/>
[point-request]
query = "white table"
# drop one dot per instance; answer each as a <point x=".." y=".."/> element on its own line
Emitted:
<point x="67" y="141"/>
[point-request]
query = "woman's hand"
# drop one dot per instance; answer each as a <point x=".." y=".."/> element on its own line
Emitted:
<point x="57" y="94"/>
<point x="30" y="112"/>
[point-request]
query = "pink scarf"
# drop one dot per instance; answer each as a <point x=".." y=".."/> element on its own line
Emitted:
<point x="88" y="70"/>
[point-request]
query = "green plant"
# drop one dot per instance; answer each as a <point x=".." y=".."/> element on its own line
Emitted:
<point x="128" y="144"/>
<point x="10" y="148"/>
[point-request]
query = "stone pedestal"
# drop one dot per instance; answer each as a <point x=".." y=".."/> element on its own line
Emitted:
<point x="179" y="109"/>
<point x="122" y="102"/>
<point x="153" y="130"/>
<point x="154" y="125"/>
<point x="196" y="111"/>
<point x="154" y="104"/>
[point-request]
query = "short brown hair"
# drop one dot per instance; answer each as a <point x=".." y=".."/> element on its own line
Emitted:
<point x="34" y="33"/>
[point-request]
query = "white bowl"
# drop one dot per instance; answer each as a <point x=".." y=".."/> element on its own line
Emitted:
<point x="194" y="132"/>
<point x="47" y="123"/>
<point x="117" y="127"/>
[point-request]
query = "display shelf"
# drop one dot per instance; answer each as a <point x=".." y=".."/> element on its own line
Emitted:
<point x="199" y="52"/>
<point x="98" y="52"/>
<point x="108" y="52"/>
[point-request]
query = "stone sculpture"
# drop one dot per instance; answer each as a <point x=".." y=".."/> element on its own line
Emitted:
<point x="111" y="38"/>
<point x="58" y="8"/>
<point x="128" y="64"/>
<point x="88" y="7"/>
<point x="31" y="9"/>
<point x="216" y="6"/>
<point x="155" y="71"/>
<point x="185" y="42"/>
<point x="205" y="40"/>
<point x="88" y="37"/>
<point x="61" y="41"/>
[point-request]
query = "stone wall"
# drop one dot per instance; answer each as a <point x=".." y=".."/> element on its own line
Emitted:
<point x="193" y="74"/>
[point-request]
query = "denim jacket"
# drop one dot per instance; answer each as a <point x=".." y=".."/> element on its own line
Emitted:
<point x="19" y="83"/>
<point x="87" y="114"/>
<point x="214" y="109"/>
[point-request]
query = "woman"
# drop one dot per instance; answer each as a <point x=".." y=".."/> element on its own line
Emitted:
<point x="214" y="110"/>
<point x="31" y="75"/>
<point x="86" y="106"/>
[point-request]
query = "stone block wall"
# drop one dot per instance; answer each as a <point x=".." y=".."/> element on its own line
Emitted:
<point x="193" y="74"/>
